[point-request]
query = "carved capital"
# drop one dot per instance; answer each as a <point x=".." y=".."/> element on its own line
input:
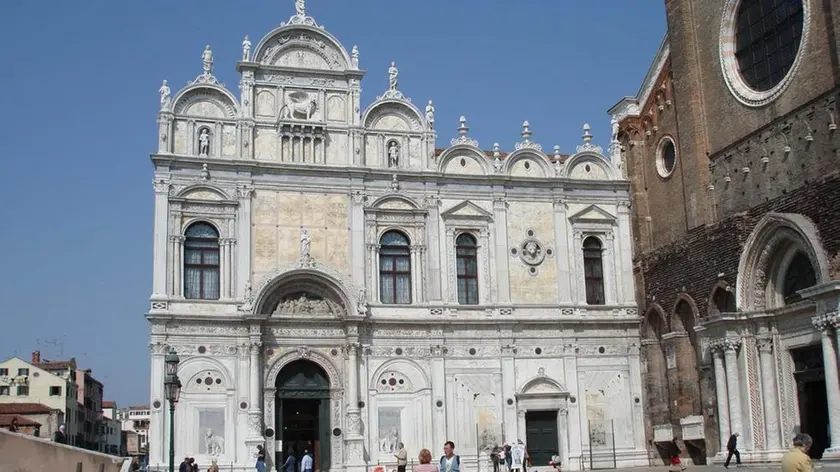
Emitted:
<point x="244" y="192"/>
<point x="765" y="344"/>
<point x="162" y="186"/>
<point x="560" y="204"/>
<point x="359" y="197"/>
<point x="431" y="201"/>
<point x="499" y="203"/>
<point x="158" y="348"/>
<point x="823" y="322"/>
<point x="731" y="344"/>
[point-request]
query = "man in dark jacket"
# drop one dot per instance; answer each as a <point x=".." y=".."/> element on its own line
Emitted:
<point x="185" y="465"/>
<point x="59" y="436"/>
<point x="732" y="447"/>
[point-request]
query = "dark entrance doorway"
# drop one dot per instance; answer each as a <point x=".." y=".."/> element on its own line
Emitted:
<point x="541" y="436"/>
<point x="303" y="414"/>
<point x="813" y="403"/>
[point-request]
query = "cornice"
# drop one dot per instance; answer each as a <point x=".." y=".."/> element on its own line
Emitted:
<point x="375" y="173"/>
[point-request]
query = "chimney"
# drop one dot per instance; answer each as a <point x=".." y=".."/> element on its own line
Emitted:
<point x="36" y="357"/>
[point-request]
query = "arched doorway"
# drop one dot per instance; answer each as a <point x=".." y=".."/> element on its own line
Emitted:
<point x="303" y="414"/>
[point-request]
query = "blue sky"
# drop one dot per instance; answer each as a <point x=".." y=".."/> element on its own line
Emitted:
<point x="81" y="80"/>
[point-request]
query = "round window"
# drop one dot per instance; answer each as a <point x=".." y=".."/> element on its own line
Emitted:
<point x="760" y="44"/>
<point x="666" y="157"/>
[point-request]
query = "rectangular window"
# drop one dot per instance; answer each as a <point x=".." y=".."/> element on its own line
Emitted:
<point x="4" y="372"/>
<point x="55" y="391"/>
<point x="23" y="390"/>
<point x="23" y="371"/>
<point x="4" y="390"/>
<point x="466" y="255"/>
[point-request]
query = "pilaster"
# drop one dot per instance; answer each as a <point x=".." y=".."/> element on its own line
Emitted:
<point x="733" y="384"/>
<point x="357" y="234"/>
<point x="244" y="193"/>
<point x="722" y="395"/>
<point x="825" y="323"/>
<point x="501" y="238"/>
<point x="508" y="392"/>
<point x="625" y="256"/>
<point x="561" y="238"/>
<point x="161" y="230"/>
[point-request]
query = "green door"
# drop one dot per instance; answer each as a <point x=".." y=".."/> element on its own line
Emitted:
<point x="541" y="436"/>
<point x="303" y="414"/>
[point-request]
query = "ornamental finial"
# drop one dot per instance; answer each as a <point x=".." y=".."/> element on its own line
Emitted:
<point x="463" y="129"/>
<point x="526" y="131"/>
<point x="207" y="60"/>
<point x="587" y="136"/>
<point x="462" y="138"/>
<point x="300" y="7"/>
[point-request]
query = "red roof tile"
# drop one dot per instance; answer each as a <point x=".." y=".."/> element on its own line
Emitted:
<point x="109" y="404"/>
<point x="23" y="409"/>
<point x="53" y="365"/>
<point x="6" y="421"/>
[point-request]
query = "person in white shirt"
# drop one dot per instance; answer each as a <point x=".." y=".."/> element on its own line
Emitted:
<point x="306" y="462"/>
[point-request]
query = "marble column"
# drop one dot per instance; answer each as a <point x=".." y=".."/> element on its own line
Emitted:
<point x="439" y="385"/>
<point x="254" y="413"/>
<point x="520" y="424"/>
<point x="433" y="238"/>
<point x="722" y="398"/>
<point x="769" y="388"/>
<point x="832" y="382"/>
<point x="158" y="427"/>
<point x="243" y="232"/>
<point x="733" y="385"/>
<point x="354" y="420"/>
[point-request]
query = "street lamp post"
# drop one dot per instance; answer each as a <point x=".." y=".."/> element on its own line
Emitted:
<point x="173" y="391"/>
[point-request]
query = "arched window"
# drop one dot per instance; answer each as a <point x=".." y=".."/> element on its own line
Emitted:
<point x="800" y="274"/>
<point x="466" y="256"/>
<point x="593" y="271"/>
<point x="394" y="269"/>
<point x="201" y="262"/>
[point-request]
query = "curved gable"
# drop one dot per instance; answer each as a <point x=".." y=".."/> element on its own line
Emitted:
<point x="393" y="115"/>
<point x="302" y="46"/>
<point x="203" y="192"/>
<point x="589" y="166"/>
<point x="526" y="163"/>
<point x="205" y="101"/>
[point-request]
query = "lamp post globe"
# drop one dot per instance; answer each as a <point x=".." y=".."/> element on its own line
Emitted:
<point x="172" y="385"/>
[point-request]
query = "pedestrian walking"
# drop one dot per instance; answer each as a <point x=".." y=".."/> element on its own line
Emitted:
<point x="214" y="467"/>
<point x="306" y="462"/>
<point x="59" y="436"/>
<point x="291" y="462"/>
<point x="185" y="465"/>
<point x="676" y="463"/>
<point x="425" y="458"/>
<point x="732" y="447"/>
<point x="797" y="459"/>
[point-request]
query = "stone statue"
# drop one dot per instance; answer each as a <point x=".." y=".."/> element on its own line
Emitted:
<point x="215" y="444"/>
<point x="393" y="73"/>
<point x="246" y="48"/>
<point x="614" y="124"/>
<point x="362" y="306"/>
<point x="207" y="60"/>
<point x="355" y="57"/>
<point x="393" y="154"/>
<point x="204" y="142"/>
<point x="164" y="94"/>
<point x="430" y="114"/>
<point x="300" y="7"/>
<point x="305" y="243"/>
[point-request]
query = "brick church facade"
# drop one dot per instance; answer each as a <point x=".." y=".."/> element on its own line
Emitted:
<point x="731" y="149"/>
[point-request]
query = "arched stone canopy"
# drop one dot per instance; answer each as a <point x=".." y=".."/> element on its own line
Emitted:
<point x="226" y="102"/>
<point x="407" y="367"/>
<point x="319" y="280"/>
<point x="592" y="158"/>
<point x="414" y="120"/>
<point x="541" y="385"/>
<point x="527" y="154"/>
<point x="309" y="37"/>
<point x="776" y="237"/>
<point x="463" y="151"/>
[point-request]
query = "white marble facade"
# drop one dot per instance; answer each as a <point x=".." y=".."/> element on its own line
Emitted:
<point x="298" y="185"/>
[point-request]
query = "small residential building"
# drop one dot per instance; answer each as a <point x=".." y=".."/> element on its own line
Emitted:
<point x="51" y="384"/>
<point x="110" y="430"/>
<point x="135" y="424"/>
<point x="89" y="396"/>
<point x="36" y="419"/>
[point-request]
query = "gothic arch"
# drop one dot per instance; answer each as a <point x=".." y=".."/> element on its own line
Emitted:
<point x="333" y="373"/>
<point x="655" y="323"/>
<point x="776" y="235"/>
<point x="282" y="280"/>
<point x="721" y="299"/>
<point x="407" y="367"/>
<point x="686" y="319"/>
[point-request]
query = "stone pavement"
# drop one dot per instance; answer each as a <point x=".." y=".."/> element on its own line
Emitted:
<point x="827" y="467"/>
